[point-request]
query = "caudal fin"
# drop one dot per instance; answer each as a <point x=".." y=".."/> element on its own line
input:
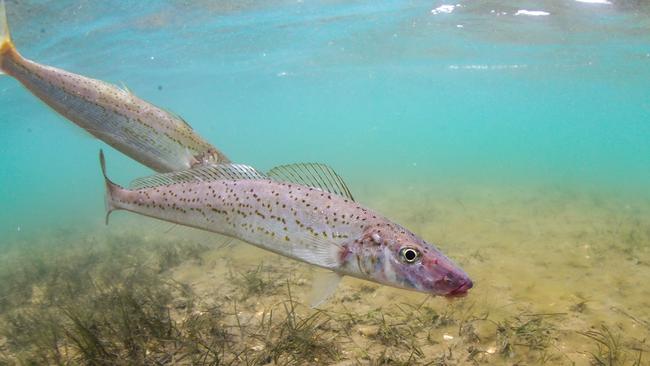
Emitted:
<point x="111" y="188"/>
<point x="6" y="46"/>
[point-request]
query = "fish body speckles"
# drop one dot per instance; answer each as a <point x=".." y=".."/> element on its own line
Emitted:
<point x="277" y="216"/>
<point x="142" y="131"/>
<point x="300" y="222"/>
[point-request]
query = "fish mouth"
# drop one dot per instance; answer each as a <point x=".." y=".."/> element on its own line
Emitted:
<point x="461" y="290"/>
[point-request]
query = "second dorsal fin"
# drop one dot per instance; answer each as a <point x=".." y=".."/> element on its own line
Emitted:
<point x="315" y="175"/>
<point x="205" y="173"/>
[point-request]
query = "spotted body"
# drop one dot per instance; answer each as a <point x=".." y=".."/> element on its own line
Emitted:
<point x="142" y="131"/>
<point x="301" y="222"/>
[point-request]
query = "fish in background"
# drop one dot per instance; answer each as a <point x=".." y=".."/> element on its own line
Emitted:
<point x="150" y="135"/>
<point x="301" y="211"/>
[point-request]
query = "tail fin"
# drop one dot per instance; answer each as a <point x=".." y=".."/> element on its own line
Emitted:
<point x="111" y="188"/>
<point x="5" y="38"/>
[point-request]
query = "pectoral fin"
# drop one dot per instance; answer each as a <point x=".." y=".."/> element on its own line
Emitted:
<point x="324" y="285"/>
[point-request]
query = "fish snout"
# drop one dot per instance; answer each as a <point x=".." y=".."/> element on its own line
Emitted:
<point x="462" y="289"/>
<point x="454" y="284"/>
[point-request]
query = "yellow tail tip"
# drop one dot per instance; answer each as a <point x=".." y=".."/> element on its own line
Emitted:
<point x="4" y="25"/>
<point x="5" y="38"/>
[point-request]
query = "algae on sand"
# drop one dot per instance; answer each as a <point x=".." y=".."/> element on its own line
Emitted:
<point x="143" y="296"/>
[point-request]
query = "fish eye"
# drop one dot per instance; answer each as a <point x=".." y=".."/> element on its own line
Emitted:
<point x="409" y="255"/>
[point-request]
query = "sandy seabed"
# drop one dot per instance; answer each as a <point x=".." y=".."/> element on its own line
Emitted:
<point x="561" y="278"/>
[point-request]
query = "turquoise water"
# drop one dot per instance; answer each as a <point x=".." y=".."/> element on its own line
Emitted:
<point x="403" y="98"/>
<point x="385" y="92"/>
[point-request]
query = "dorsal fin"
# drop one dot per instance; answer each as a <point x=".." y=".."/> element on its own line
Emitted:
<point x="205" y="173"/>
<point x="184" y="121"/>
<point x="176" y="115"/>
<point x="125" y="88"/>
<point x="315" y="175"/>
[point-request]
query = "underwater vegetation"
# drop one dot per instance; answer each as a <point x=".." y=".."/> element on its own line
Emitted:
<point x="518" y="144"/>
<point x="611" y="350"/>
<point x="122" y="299"/>
<point x="116" y="305"/>
<point x="142" y="295"/>
<point x="99" y="306"/>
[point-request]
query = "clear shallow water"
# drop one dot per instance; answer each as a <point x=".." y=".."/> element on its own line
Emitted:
<point x="521" y="119"/>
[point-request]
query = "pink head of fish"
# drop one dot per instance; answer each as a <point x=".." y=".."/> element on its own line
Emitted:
<point x="390" y="254"/>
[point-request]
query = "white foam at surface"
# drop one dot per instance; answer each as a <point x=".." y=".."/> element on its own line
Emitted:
<point x="532" y="13"/>
<point x="446" y="8"/>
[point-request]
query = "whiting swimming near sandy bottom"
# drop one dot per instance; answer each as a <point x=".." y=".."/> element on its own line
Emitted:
<point x="301" y="211"/>
<point x="150" y="135"/>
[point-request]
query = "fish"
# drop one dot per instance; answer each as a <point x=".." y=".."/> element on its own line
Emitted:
<point x="148" y="134"/>
<point x="302" y="211"/>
